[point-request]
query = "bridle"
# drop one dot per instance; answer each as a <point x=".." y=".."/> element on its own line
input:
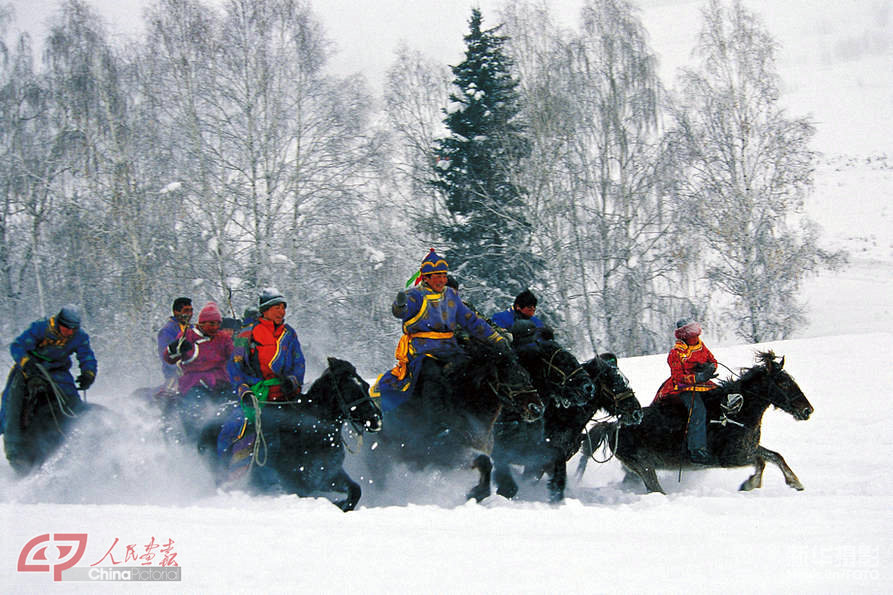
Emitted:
<point x="566" y="377"/>
<point x="347" y="407"/>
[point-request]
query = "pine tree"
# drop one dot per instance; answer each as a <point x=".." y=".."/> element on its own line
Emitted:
<point x="485" y="227"/>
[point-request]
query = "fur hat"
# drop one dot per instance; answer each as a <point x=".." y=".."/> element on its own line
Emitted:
<point x="269" y="296"/>
<point x="433" y="264"/>
<point x="687" y="329"/>
<point x="210" y="313"/>
<point x="69" y="317"/>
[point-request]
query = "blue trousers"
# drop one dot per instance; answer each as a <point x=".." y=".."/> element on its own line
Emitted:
<point x="696" y="436"/>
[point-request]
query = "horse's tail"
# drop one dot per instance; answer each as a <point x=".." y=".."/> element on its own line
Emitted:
<point x="597" y="438"/>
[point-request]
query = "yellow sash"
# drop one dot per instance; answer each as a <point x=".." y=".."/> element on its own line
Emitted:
<point x="402" y="351"/>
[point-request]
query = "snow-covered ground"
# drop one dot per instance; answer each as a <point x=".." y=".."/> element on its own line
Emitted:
<point x="702" y="536"/>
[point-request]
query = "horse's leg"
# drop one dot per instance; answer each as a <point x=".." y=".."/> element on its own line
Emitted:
<point x="790" y="477"/>
<point x="482" y="490"/>
<point x="557" y="479"/>
<point x="343" y="483"/>
<point x="755" y="480"/>
<point x="506" y="486"/>
<point x="648" y="475"/>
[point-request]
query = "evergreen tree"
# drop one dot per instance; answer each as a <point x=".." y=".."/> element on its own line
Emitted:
<point x="485" y="224"/>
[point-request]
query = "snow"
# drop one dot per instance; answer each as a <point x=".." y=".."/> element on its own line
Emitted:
<point x="703" y="536"/>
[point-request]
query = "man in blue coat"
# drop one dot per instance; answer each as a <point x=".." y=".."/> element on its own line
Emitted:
<point x="431" y="313"/>
<point x="176" y="325"/>
<point x="42" y="354"/>
<point x="523" y="309"/>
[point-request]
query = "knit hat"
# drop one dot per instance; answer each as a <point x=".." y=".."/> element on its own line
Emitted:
<point x="687" y="329"/>
<point x="210" y="313"/>
<point x="433" y="264"/>
<point x="69" y="317"/>
<point x="269" y="296"/>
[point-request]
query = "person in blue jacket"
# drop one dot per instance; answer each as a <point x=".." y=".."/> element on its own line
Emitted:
<point x="431" y="313"/>
<point x="42" y="354"/>
<point x="523" y="309"/>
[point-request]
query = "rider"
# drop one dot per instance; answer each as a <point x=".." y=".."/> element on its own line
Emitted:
<point x="691" y="368"/>
<point x="268" y="360"/>
<point x="522" y="309"/>
<point x="46" y="344"/>
<point x="431" y="312"/>
<point x="201" y="354"/>
<point x="176" y="325"/>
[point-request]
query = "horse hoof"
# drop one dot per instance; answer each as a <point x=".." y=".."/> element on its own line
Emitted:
<point x="479" y="494"/>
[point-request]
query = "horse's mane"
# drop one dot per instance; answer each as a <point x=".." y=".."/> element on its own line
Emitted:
<point x="476" y="367"/>
<point x="766" y="360"/>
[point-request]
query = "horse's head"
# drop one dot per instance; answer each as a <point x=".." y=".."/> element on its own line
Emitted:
<point x="613" y="391"/>
<point x="563" y="376"/>
<point x="514" y="387"/>
<point x="352" y="396"/>
<point x="781" y="390"/>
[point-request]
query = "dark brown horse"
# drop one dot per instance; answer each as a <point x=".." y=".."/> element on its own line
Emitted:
<point x="732" y="436"/>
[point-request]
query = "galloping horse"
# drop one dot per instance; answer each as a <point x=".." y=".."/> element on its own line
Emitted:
<point x="297" y="446"/>
<point x="573" y="392"/>
<point x="659" y="441"/>
<point x="39" y="416"/>
<point x="483" y="384"/>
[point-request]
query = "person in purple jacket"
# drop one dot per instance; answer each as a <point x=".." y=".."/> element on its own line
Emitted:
<point x="201" y="353"/>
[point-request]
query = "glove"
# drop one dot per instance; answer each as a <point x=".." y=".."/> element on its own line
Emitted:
<point x="29" y="369"/>
<point x="85" y="380"/>
<point x="291" y="384"/>
<point x="178" y="347"/>
<point x="400" y="300"/>
<point x="705" y="372"/>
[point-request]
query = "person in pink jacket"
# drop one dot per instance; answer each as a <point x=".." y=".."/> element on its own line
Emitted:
<point x="201" y="352"/>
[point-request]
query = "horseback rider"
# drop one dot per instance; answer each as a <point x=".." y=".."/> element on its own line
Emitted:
<point x="201" y="354"/>
<point x="268" y="361"/>
<point x="176" y="325"/>
<point x="691" y="368"/>
<point x="42" y="356"/>
<point x="431" y="312"/>
<point x="523" y="308"/>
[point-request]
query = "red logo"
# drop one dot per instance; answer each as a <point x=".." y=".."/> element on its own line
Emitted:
<point x="70" y="548"/>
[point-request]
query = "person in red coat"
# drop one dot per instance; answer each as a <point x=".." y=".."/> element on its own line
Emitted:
<point x="691" y="368"/>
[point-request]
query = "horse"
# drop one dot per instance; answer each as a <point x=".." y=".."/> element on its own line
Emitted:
<point x="296" y="446"/>
<point x="572" y="392"/>
<point x="480" y="386"/>
<point x="659" y="441"/>
<point x="39" y="417"/>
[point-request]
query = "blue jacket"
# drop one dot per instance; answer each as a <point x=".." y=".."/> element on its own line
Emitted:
<point x="506" y="319"/>
<point x="168" y="333"/>
<point x="42" y="342"/>
<point x="429" y="323"/>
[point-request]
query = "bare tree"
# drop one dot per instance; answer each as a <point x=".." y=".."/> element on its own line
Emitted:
<point x="744" y="168"/>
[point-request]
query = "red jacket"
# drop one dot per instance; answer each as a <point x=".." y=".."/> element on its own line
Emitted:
<point x="683" y="359"/>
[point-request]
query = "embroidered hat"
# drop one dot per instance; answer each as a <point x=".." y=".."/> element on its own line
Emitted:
<point x="433" y="264"/>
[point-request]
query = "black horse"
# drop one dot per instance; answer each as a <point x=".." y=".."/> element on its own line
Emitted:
<point x="481" y="384"/>
<point x="735" y="410"/>
<point x="572" y="392"/>
<point x="297" y="446"/>
<point x="39" y="417"/>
